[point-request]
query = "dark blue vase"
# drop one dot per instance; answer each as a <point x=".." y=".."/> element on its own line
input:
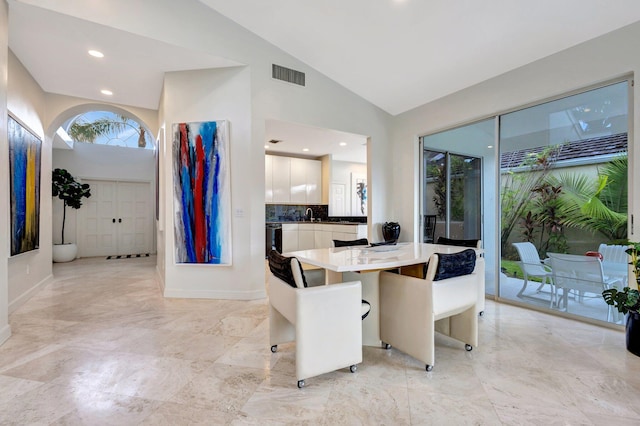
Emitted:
<point x="633" y="333"/>
<point x="390" y="231"/>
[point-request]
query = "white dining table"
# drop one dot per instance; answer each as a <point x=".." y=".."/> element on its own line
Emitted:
<point x="367" y="258"/>
<point x="364" y="263"/>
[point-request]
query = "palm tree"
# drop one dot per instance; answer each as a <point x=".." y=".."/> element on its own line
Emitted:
<point x="598" y="205"/>
<point x="518" y="188"/>
<point x="85" y="131"/>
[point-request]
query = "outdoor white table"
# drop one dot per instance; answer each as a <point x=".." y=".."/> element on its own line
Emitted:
<point x="410" y="257"/>
<point x="569" y="270"/>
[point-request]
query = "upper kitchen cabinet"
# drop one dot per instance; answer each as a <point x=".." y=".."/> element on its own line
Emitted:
<point x="292" y="180"/>
<point x="281" y="178"/>
<point x="298" y="180"/>
<point x="268" y="178"/>
<point x="314" y="182"/>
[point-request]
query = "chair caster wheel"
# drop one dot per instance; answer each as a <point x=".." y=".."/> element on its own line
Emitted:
<point x="274" y="348"/>
<point x="353" y="368"/>
<point x="468" y="348"/>
<point x="429" y="367"/>
<point x="386" y="345"/>
<point x="300" y="384"/>
<point x="481" y="313"/>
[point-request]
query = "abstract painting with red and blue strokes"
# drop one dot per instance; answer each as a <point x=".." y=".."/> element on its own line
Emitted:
<point x="202" y="201"/>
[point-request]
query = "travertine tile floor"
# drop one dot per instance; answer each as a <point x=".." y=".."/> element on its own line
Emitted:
<point x="100" y="345"/>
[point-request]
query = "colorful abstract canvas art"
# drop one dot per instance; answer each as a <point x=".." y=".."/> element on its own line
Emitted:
<point x="202" y="199"/>
<point x="24" y="169"/>
<point x="358" y="194"/>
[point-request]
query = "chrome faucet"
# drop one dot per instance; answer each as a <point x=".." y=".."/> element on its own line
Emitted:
<point x="310" y="213"/>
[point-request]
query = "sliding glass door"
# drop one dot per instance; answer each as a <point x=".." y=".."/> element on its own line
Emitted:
<point x="563" y="180"/>
<point x="457" y="180"/>
<point x="556" y="188"/>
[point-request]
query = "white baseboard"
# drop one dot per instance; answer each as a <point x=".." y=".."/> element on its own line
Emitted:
<point x="160" y="279"/>
<point x="5" y="333"/>
<point x="20" y="300"/>
<point x="215" y="294"/>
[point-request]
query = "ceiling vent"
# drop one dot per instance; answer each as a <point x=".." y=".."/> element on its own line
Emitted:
<point x="287" y="74"/>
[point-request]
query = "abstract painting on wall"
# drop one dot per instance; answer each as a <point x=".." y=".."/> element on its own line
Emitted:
<point x="358" y="194"/>
<point x="24" y="181"/>
<point x="202" y="193"/>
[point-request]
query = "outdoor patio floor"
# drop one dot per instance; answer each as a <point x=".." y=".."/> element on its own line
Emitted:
<point x="591" y="306"/>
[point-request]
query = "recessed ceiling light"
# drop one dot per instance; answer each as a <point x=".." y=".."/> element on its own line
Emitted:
<point x="96" y="54"/>
<point x="343" y="144"/>
<point x="266" y="147"/>
<point x="489" y="146"/>
<point x="106" y="92"/>
<point x="305" y="149"/>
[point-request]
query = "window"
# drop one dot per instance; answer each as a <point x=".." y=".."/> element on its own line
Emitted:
<point x="108" y="128"/>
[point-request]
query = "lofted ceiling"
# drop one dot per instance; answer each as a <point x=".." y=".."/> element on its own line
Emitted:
<point x="397" y="54"/>
<point x="400" y="54"/>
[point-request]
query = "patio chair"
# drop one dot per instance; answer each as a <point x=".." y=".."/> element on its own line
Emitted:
<point x="615" y="262"/>
<point x="531" y="265"/>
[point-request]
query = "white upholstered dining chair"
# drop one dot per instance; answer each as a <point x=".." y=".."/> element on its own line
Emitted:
<point x="471" y="243"/>
<point x="324" y="321"/>
<point x="413" y="309"/>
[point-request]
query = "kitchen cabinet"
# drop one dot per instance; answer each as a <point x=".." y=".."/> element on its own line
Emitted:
<point x="314" y="182"/>
<point x="281" y="179"/>
<point x="292" y="180"/>
<point x="347" y="232"/>
<point x="298" y="185"/>
<point x="289" y="237"/>
<point x="268" y="178"/>
<point x="306" y="236"/>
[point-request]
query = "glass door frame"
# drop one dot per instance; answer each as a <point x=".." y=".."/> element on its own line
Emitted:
<point x="448" y="159"/>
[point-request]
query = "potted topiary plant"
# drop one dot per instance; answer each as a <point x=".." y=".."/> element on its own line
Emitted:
<point x="627" y="301"/>
<point x="70" y="191"/>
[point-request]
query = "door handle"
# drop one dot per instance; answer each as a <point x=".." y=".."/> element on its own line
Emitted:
<point x="120" y="220"/>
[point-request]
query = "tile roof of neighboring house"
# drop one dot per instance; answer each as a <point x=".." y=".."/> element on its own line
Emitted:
<point x="604" y="145"/>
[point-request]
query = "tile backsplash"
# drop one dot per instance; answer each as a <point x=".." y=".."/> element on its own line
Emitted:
<point x="296" y="213"/>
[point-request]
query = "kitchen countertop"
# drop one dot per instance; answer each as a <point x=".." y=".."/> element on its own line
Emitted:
<point x="322" y="222"/>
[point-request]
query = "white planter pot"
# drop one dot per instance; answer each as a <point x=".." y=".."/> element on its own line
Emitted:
<point x="64" y="252"/>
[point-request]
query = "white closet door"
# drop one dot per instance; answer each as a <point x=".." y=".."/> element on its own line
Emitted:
<point x="134" y="220"/>
<point x="97" y="227"/>
<point x="116" y="219"/>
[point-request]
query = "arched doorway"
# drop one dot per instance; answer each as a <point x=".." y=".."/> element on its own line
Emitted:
<point x="112" y="150"/>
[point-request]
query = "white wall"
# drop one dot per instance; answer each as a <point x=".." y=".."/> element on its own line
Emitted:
<point x="28" y="272"/>
<point x="208" y="95"/>
<point x="5" y="330"/>
<point x="100" y="162"/>
<point x="602" y="59"/>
